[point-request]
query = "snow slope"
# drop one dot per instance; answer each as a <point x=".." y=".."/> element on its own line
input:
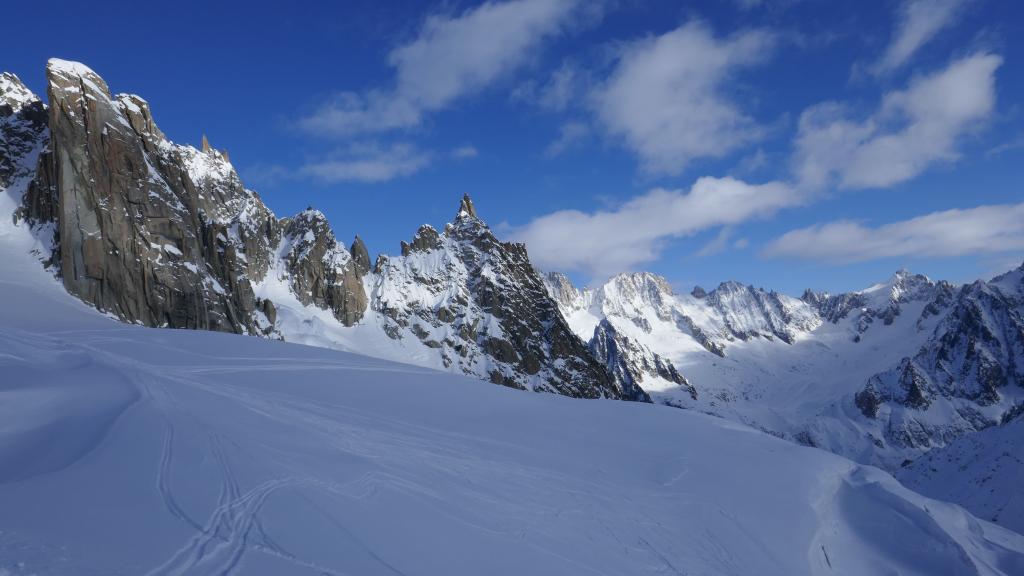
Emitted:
<point x="982" y="471"/>
<point x="128" y="450"/>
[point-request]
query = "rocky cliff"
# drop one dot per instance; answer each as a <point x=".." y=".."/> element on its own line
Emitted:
<point x="166" y="235"/>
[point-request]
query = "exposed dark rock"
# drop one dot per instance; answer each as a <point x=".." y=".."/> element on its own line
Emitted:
<point x="321" y="271"/>
<point x="492" y="307"/>
<point x="360" y="256"/>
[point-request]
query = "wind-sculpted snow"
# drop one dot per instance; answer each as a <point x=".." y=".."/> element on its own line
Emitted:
<point x="131" y="450"/>
<point x="238" y="455"/>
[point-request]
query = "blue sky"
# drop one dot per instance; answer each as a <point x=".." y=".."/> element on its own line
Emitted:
<point x="785" y="143"/>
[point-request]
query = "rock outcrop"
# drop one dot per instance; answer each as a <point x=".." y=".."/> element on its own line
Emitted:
<point x="631" y="364"/>
<point x="166" y="235"/>
<point x="968" y="376"/>
<point x="480" y="303"/>
<point x="157" y="234"/>
<point x="321" y="271"/>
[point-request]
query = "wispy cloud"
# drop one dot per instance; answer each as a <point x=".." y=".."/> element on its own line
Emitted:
<point x="719" y="244"/>
<point x="981" y="230"/>
<point x="919" y="22"/>
<point x="605" y="242"/>
<point x="465" y="152"/>
<point x="452" y="56"/>
<point x="556" y="93"/>
<point x="569" y="135"/>
<point x="368" y="163"/>
<point x="668" y="97"/>
<point x="911" y="130"/>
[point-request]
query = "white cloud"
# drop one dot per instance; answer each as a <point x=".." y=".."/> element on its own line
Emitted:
<point x="561" y="88"/>
<point x="913" y="129"/>
<point x="919" y="22"/>
<point x="368" y="163"/>
<point x="464" y="152"/>
<point x="569" y="134"/>
<point x="609" y="241"/>
<point x="451" y="57"/>
<point x="981" y="230"/>
<point x="668" y="97"/>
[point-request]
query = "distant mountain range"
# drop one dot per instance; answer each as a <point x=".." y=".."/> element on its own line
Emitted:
<point x="922" y="378"/>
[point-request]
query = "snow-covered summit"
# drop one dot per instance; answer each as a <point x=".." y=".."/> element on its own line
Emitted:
<point x="14" y="94"/>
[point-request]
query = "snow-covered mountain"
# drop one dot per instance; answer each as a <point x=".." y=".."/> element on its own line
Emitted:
<point x="884" y="375"/>
<point x="905" y="374"/>
<point x="161" y="234"/>
<point x="132" y="450"/>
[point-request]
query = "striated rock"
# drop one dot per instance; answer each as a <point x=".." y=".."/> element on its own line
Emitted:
<point x="484" y="304"/>
<point x="967" y="377"/>
<point x="631" y="364"/>
<point x="161" y="234"/>
<point x="360" y="256"/>
<point x="22" y="128"/>
<point x="751" y="312"/>
<point x="321" y="271"/>
<point x="155" y="233"/>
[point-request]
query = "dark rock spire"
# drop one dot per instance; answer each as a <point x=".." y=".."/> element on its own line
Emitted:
<point x="466" y="208"/>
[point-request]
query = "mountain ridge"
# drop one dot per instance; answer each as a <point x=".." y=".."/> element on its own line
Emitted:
<point x="167" y="235"/>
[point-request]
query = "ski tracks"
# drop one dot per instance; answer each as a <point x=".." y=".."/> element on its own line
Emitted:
<point x="234" y="526"/>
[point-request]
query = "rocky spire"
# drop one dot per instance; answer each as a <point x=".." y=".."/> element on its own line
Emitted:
<point x="466" y="209"/>
<point x="360" y="256"/>
<point x="206" y="144"/>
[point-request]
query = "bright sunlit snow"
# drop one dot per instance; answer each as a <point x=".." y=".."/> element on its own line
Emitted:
<point x="127" y="450"/>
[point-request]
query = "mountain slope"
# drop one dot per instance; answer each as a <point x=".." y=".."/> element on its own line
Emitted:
<point x="161" y="234"/>
<point x="271" y="458"/>
<point x="884" y="375"/>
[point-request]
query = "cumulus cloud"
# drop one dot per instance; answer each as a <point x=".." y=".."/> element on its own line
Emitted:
<point x="368" y="163"/>
<point x="981" y="230"/>
<point x="451" y="57"/>
<point x="919" y="22"/>
<point x="606" y="242"/>
<point x="668" y="96"/>
<point x="911" y="130"/>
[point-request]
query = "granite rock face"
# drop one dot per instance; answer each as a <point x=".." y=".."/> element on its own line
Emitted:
<point x="166" y="235"/>
<point x="321" y="271"/>
<point x="968" y="376"/>
<point x="631" y="363"/>
<point x="22" y="127"/>
<point x="481" y="304"/>
<point x="154" y="233"/>
<point x="161" y="234"/>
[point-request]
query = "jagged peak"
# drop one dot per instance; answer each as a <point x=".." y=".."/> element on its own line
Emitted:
<point x="360" y="255"/>
<point x="642" y="279"/>
<point x="14" y="93"/>
<point x="425" y="240"/>
<point x="310" y="214"/>
<point x="731" y="287"/>
<point x="139" y="115"/>
<point x="466" y="209"/>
